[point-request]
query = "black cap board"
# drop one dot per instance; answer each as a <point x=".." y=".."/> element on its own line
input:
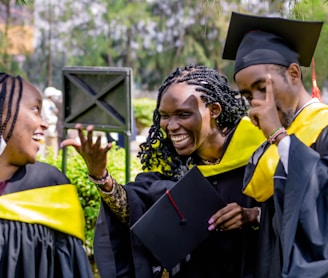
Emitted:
<point x="263" y="40"/>
<point x="178" y="221"/>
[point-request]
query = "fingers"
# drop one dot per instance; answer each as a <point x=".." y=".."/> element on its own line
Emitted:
<point x="86" y="140"/>
<point x="269" y="96"/>
<point x="254" y="120"/>
<point x="70" y="142"/>
<point x="90" y="134"/>
<point x="227" y="218"/>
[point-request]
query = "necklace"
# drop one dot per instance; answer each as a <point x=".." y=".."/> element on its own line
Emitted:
<point x="206" y="162"/>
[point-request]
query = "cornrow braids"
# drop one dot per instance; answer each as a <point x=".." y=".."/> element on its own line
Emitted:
<point x="214" y="88"/>
<point x="4" y="91"/>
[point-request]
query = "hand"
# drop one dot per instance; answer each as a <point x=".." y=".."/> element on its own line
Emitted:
<point x="264" y="113"/>
<point x="232" y="216"/>
<point x="94" y="155"/>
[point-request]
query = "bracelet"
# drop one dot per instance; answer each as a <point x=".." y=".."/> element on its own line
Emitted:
<point x="101" y="181"/>
<point x="273" y="136"/>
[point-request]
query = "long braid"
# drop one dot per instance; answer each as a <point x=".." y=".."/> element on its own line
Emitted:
<point x="4" y="80"/>
<point x="20" y="92"/>
<point x="215" y="88"/>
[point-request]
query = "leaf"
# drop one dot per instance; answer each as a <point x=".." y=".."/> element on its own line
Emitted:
<point x="21" y="2"/>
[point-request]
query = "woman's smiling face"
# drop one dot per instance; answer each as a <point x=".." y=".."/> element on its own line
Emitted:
<point x="185" y="118"/>
<point x="24" y="143"/>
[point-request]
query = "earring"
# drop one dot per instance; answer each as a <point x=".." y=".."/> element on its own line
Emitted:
<point x="3" y="145"/>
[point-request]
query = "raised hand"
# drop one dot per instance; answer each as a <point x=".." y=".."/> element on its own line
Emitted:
<point x="264" y="113"/>
<point x="94" y="155"/>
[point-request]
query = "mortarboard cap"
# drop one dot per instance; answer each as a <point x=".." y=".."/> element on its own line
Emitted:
<point x="178" y="221"/>
<point x="253" y="40"/>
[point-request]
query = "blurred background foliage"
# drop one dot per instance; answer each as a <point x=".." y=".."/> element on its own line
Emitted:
<point x="150" y="36"/>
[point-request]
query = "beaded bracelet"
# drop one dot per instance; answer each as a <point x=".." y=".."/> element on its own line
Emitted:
<point x="273" y="136"/>
<point x="101" y="181"/>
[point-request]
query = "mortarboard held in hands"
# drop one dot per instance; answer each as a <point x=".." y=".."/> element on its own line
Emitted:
<point x="178" y="222"/>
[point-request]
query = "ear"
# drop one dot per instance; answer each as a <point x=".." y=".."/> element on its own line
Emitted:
<point x="215" y="109"/>
<point x="295" y="72"/>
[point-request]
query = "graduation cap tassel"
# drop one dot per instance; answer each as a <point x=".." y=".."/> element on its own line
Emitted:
<point x="182" y="218"/>
<point x="315" y="89"/>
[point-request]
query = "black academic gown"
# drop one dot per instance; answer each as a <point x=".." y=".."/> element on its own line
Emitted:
<point x="294" y="224"/>
<point x="119" y="253"/>
<point x="36" y="251"/>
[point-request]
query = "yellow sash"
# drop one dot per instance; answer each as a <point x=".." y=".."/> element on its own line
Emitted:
<point x="307" y="127"/>
<point x="244" y="142"/>
<point x="57" y="207"/>
<point x="238" y="152"/>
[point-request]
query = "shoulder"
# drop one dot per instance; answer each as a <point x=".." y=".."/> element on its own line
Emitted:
<point x="321" y="144"/>
<point x="46" y="173"/>
<point x="36" y="175"/>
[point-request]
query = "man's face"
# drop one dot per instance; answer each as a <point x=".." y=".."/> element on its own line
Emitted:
<point x="251" y="82"/>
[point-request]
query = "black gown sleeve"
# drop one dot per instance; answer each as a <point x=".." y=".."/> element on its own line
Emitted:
<point x="118" y="253"/>
<point x="302" y="211"/>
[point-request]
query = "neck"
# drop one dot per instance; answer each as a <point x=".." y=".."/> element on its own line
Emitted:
<point x="214" y="151"/>
<point x="7" y="171"/>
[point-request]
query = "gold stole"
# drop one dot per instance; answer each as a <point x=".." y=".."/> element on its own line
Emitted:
<point x="306" y="127"/>
<point x="244" y="142"/>
<point x="56" y="207"/>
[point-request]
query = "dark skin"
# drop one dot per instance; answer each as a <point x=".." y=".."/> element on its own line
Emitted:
<point x="25" y="141"/>
<point x="274" y="98"/>
<point x="192" y="128"/>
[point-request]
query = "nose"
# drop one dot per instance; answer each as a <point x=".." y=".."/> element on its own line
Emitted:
<point x="44" y="125"/>
<point x="172" y="124"/>
<point x="256" y="95"/>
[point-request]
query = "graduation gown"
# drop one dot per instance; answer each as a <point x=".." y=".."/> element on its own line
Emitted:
<point x="119" y="253"/>
<point x="294" y="230"/>
<point x="36" y="237"/>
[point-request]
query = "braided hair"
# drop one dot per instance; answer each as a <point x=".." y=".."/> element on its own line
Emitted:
<point x="7" y="90"/>
<point x="214" y="88"/>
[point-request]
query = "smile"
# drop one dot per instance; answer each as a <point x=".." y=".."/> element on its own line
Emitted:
<point x="180" y="139"/>
<point x="37" y="137"/>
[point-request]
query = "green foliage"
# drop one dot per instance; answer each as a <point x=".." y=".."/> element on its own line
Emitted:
<point x="315" y="10"/>
<point x="21" y="2"/>
<point x="77" y="172"/>
<point x="143" y="112"/>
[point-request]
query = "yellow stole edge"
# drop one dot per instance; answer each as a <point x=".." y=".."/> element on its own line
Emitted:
<point x="245" y="140"/>
<point x="307" y="126"/>
<point x="57" y="207"/>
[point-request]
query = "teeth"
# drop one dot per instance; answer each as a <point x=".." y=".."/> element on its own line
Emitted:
<point x="37" y="137"/>
<point x="179" y="138"/>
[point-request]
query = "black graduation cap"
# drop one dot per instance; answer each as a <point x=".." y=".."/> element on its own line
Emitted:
<point x="255" y="40"/>
<point x="178" y="221"/>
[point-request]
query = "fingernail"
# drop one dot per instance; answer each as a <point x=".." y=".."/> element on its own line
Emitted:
<point x="211" y="221"/>
<point x="211" y="227"/>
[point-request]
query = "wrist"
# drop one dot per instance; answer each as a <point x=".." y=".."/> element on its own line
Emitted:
<point x="277" y="135"/>
<point x="104" y="183"/>
<point x="279" y="138"/>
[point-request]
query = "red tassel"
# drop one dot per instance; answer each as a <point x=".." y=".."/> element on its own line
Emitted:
<point x="315" y="89"/>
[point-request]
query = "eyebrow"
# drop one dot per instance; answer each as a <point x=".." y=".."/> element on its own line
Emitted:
<point x="256" y="82"/>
